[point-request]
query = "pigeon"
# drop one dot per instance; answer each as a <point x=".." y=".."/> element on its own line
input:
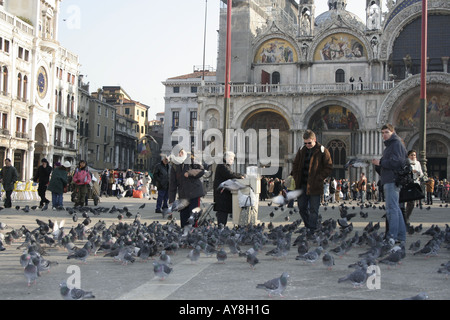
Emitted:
<point x="358" y="277"/>
<point x="161" y="270"/>
<point x="25" y="259"/>
<point x="3" y="226"/>
<point x="231" y="185"/>
<point x="328" y="260"/>
<point x="415" y="246"/>
<point x="164" y="258"/>
<point x="194" y="254"/>
<point x="445" y="269"/>
<point x="74" y="293"/>
<point x="221" y="256"/>
<point x="275" y="286"/>
<point x="312" y="256"/>
<point x="355" y="163"/>
<point x="177" y="205"/>
<point x="81" y="254"/>
<point x="283" y="200"/>
<point x="252" y="260"/>
<point x="420" y="296"/>
<point x="31" y="272"/>
<point x="142" y="206"/>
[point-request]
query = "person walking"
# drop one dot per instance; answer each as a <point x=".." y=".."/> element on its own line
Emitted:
<point x="311" y="166"/>
<point x="81" y="178"/>
<point x="58" y="182"/>
<point x="104" y="183"/>
<point x="184" y="180"/>
<point x="362" y="186"/>
<point x="393" y="159"/>
<point x="43" y="177"/>
<point x="8" y="177"/>
<point x="416" y="169"/>
<point x="430" y="189"/>
<point x="223" y="203"/>
<point x="161" y="179"/>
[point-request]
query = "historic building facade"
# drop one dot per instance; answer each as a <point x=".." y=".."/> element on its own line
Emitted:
<point x="39" y="87"/>
<point x="335" y="74"/>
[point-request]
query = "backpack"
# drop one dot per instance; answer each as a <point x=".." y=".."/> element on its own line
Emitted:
<point x="82" y="177"/>
<point x="332" y="188"/>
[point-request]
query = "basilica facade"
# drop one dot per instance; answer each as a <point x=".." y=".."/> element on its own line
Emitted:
<point x="342" y="77"/>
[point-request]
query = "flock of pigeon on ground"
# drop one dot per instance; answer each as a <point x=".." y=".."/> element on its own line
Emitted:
<point x="126" y="241"/>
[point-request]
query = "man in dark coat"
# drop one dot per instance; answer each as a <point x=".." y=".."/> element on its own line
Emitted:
<point x="8" y="177"/>
<point x="311" y="166"/>
<point x="43" y="177"/>
<point x="161" y="179"/>
<point x="393" y="159"/>
<point x="185" y="180"/>
<point x="222" y="198"/>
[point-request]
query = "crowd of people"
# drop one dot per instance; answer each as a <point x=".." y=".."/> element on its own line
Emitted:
<point x="175" y="176"/>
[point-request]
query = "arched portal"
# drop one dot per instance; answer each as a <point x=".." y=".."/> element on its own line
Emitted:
<point x="269" y="119"/>
<point x="41" y="144"/>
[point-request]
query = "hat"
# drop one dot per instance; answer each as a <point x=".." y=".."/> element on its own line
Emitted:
<point x="44" y="160"/>
<point x="57" y="164"/>
<point x="67" y="164"/>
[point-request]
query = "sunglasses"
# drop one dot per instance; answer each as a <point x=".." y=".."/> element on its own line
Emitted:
<point x="308" y="143"/>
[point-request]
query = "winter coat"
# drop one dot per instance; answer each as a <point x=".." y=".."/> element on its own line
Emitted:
<point x="222" y="198"/>
<point x="161" y="176"/>
<point x="43" y="175"/>
<point x="9" y="176"/>
<point x="187" y="188"/>
<point x="320" y="167"/>
<point x="393" y="159"/>
<point x="58" y="181"/>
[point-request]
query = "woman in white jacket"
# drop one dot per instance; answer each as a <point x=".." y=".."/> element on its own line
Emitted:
<point x="417" y="174"/>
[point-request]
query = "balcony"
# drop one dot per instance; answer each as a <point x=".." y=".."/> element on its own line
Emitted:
<point x="297" y="89"/>
<point x="4" y="132"/>
<point x="21" y="135"/>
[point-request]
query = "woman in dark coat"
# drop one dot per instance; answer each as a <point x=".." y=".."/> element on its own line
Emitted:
<point x="184" y="180"/>
<point x="222" y="198"/>
<point x="57" y="184"/>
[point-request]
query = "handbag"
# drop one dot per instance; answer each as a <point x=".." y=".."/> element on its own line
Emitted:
<point x="411" y="192"/>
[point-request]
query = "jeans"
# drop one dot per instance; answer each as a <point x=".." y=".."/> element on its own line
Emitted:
<point x="397" y="227"/>
<point x="163" y="197"/>
<point x="57" y="199"/>
<point x="308" y="206"/>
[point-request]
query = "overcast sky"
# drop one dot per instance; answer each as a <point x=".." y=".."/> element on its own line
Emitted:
<point x="137" y="44"/>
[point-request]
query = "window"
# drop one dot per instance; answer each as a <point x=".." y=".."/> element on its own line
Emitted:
<point x="6" y="46"/>
<point x="106" y="112"/>
<point x="276" y="77"/>
<point x="98" y="153"/>
<point x="19" y="86"/>
<point x="340" y="76"/>
<point x="175" y="120"/>
<point x="192" y="119"/>
<point x="176" y="89"/>
<point x="58" y="137"/>
<point x="127" y="111"/>
<point x="25" y="88"/>
<point x="20" y="55"/>
<point x="99" y="110"/>
<point x="5" y="80"/>
<point x="193" y="89"/>
<point x="4" y="121"/>
<point x="98" y="129"/>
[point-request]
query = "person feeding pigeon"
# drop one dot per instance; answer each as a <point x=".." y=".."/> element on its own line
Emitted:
<point x="222" y="197"/>
<point x="311" y="166"/>
<point x="184" y="179"/>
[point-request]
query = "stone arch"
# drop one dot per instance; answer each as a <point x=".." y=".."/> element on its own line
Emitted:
<point x="325" y="102"/>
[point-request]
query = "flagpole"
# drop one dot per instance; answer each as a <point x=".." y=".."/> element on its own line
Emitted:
<point x="226" y="109"/>
<point x="423" y="90"/>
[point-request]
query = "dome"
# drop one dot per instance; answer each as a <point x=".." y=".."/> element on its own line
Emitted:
<point x="329" y="15"/>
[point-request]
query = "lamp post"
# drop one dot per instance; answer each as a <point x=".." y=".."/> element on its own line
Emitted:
<point x="423" y="90"/>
